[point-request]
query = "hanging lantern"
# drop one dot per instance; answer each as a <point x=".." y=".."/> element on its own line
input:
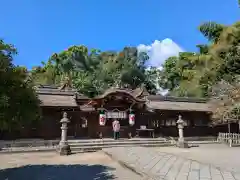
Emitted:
<point x="131" y="119"/>
<point x="102" y="119"/>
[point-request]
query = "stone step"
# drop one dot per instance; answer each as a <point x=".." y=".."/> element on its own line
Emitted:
<point x="39" y="142"/>
<point x="81" y="148"/>
<point x="27" y="150"/>
<point x="118" y="145"/>
<point x="99" y="146"/>
<point x="116" y="142"/>
<point x="76" y="149"/>
<point x="112" y="140"/>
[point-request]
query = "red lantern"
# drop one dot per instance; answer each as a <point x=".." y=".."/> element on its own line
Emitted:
<point x="131" y="119"/>
<point x="102" y="119"/>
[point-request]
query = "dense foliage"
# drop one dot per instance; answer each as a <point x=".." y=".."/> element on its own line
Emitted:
<point x="215" y="67"/>
<point x="19" y="105"/>
<point x="91" y="72"/>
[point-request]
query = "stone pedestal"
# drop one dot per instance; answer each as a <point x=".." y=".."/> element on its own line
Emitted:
<point x="129" y="135"/>
<point x="181" y="142"/>
<point x="64" y="148"/>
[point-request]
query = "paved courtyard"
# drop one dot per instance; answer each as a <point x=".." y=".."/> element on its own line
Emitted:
<point x="218" y="154"/>
<point x="50" y="166"/>
<point x="207" y="162"/>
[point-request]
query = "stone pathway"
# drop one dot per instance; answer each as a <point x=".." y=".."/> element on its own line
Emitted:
<point x="218" y="154"/>
<point x="163" y="166"/>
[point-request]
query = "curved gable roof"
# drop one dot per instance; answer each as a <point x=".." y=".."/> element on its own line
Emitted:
<point x="135" y="94"/>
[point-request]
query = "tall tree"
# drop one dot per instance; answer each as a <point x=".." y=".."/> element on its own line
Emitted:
<point x="91" y="72"/>
<point x="181" y="75"/>
<point x="211" y="30"/>
<point x="45" y="74"/>
<point x="19" y="105"/>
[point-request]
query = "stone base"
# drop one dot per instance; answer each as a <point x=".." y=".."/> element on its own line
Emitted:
<point x="129" y="135"/>
<point x="182" y="144"/>
<point x="64" y="150"/>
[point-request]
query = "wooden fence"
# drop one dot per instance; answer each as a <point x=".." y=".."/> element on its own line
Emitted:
<point x="233" y="139"/>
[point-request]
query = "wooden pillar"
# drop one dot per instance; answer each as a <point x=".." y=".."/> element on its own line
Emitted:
<point x="93" y="125"/>
<point x="239" y="126"/>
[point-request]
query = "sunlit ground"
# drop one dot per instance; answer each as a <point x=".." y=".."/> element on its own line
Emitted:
<point x="217" y="154"/>
<point x="51" y="166"/>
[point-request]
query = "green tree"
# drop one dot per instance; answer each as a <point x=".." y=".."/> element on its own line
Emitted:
<point x="91" y="72"/>
<point x="211" y="30"/>
<point x="19" y="105"/>
<point x="152" y="83"/>
<point x="45" y="74"/>
<point x="194" y="74"/>
<point x="74" y="61"/>
<point x="181" y="75"/>
<point x="171" y="74"/>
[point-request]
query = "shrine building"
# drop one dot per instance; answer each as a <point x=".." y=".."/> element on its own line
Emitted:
<point x="139" y="114"/>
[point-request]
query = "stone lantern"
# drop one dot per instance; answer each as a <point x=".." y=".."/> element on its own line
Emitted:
<point x="181" y="142"/>
<point x="64" y="148"/>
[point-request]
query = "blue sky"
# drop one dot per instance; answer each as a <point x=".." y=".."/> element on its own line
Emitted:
<point x="40" y="28"/>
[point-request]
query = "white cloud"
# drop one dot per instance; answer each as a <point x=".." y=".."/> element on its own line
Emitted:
<point x="159" y="51"/>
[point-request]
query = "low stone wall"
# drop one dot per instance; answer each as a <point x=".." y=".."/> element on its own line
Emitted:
<point x="53" y="143"/>
<point x="27" y="143"/>
<point x="199" y="138"/>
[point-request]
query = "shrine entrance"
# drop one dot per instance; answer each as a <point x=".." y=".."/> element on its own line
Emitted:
<point x="120" y="105"/>
<point x="122" y="117"/>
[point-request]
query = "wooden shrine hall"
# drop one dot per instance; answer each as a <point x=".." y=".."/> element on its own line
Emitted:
<point x="136" y="111"/>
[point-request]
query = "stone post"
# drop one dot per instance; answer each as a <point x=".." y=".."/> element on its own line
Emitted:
<point x="181" y="142"/>
<point x="64" y="148"/>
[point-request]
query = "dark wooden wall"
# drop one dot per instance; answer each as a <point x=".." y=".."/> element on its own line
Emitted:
<point x="49" y="126"/>
<point x="197" y="123"/>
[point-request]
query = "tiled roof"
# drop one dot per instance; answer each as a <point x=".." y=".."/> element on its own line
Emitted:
<point x="181" y="106"/>
<point x="53" y="96"/>
<point x="57" y="100"/>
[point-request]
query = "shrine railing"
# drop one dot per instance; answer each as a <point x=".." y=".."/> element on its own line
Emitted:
<point x="233" y="139"/>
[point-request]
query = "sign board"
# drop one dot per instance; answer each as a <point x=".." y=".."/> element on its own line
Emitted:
<point x="116" y="115"/>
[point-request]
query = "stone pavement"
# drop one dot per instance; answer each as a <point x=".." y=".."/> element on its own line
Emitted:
<point x="218" y="154"/>
<point x="163" y="166"/>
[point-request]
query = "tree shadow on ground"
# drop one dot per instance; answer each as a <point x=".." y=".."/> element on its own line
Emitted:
<point x="58" y="172"/>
